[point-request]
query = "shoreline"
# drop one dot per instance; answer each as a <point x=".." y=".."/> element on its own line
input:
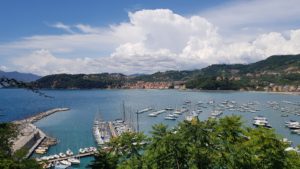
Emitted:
<point x="30" y="136"/>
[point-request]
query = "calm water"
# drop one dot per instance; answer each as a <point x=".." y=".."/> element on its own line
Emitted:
<point x="74" y="128"/>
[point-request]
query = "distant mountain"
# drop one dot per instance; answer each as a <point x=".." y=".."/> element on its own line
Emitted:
<point x="25" y="77"/>
<point x="275" y="71"/>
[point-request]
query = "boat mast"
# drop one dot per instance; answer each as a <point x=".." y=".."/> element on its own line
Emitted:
<point x="124" y="116"/>
<point x="137" y="122"/>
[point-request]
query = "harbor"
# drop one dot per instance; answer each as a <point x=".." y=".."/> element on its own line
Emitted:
<point x="74" y="128"/>
<point x="31" y="137"/>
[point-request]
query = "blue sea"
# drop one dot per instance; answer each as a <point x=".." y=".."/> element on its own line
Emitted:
<point x="73" y="128"/>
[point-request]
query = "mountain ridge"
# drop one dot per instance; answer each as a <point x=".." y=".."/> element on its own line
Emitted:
<point x="25" y="77"/>
<point x="275" y="70"/>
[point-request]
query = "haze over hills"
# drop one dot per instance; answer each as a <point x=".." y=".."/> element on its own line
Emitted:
<point x="275" y="71"/>
<point x="25" y="77"/>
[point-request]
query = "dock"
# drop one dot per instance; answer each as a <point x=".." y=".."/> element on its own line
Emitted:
<point x="30" y="137"/>
<point x="73" y="156"/>
<point x="39" y="116"/>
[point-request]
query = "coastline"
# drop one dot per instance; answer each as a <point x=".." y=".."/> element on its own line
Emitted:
<point x="30" y="136"/>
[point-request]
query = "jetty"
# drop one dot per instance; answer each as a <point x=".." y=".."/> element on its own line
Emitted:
<point x="80" y="155"/>
<point x="39" y="116"/>
<point x="30" y="137"/>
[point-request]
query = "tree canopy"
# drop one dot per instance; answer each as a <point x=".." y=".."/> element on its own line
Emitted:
<point x="8" y="160"/>
<point x="213" y="144"/>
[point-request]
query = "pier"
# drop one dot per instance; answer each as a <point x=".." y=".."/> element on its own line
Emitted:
<point x="73" y="156"/>
<point x="30" y="137"/>
<point x="39" y="116"/>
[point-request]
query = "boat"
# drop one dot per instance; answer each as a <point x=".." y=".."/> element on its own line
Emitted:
<point x="74" y="161"/>
<point x="261" y="121"/>
<point x="178" y="112"/>
<point x="192" y="115"/>
<point x="62" y="155"/>
<point x="260" y="118"/>
<point x="60" y="166"/>
<point x="81" y="151"/>
<point x="216" y="113"/>
<point x="295" y="131"/>
<point x="69" y="152"/>
<point x="144" y="110"/>
<point x="170" y="118"/>
<point x="154" y="114"/>
<point x="41" y="150"/>
<point x="66" y="162"/>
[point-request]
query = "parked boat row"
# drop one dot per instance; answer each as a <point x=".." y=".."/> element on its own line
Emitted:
<point x="65" y="160"/>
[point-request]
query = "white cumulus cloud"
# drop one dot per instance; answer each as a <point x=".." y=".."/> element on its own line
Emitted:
<point x="152" y="40"/>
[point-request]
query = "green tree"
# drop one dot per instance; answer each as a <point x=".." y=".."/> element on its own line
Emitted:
<point x="8" y="160"/>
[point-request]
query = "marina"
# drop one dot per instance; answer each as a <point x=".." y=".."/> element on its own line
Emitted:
<point x="73" y="129"/>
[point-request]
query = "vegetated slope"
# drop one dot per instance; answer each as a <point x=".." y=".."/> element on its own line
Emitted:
<point x="81" y="81"/>
<point x="275" y="70"/>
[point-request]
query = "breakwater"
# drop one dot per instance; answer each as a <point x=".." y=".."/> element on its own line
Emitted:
<point x="29" y="136"/>
<point x="39" y="116"/>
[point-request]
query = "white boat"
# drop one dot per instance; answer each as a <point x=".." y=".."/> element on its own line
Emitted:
<point x="295" y="131"/>
<point x="81" y="151"/>
<point x="60" y="166"/>
<point x="216" y="113"/>
<point x="69" y="152"/>
<point x="260" y="118"/>
<point x="144" y="110"/>
<point x="154" y="114"/>
<point x="65" y="162"/>
<point x="74" y="161"/>
<point x="191" y="116"/>
<point x="62" y="155"/>
<point x="170" y="118"/>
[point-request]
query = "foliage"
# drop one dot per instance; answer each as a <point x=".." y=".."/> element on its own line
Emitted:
<point x="280" y="70"/>
<point x="211" y="144"/>
<point x="8" y="132"/>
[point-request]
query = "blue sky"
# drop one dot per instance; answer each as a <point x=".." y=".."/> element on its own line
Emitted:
<point x="131" y="36"/>
<point x="31" y="17"/>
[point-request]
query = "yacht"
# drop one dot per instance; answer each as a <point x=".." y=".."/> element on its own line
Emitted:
<point x="170" y="118"/>
<point x="69" y="152"/>
<point x="62" y="155"/>
<point x="144" y="110"/>
<point x="65" y="162"/>
<point x="74" y="161"/>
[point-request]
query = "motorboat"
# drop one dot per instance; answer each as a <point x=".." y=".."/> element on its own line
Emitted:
<point x="69" y="152"/>
<point x="74" y="161"/>
<point x="62" y="155"/>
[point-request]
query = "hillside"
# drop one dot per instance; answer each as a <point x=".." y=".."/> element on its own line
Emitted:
<point x="81" y="81"/>
<point x="25" y="77"/>
<point x="274" y="71"/>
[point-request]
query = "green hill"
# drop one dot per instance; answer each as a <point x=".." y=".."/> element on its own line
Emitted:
<point x="275" y="70"/>
<point x="81" y="81"/>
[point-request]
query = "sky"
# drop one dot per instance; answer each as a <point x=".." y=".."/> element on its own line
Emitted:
<point x="143" y="36"/>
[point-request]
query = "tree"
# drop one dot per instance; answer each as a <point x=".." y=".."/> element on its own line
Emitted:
<point x="215" y="143"/>
<point x="8" y="160"/>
